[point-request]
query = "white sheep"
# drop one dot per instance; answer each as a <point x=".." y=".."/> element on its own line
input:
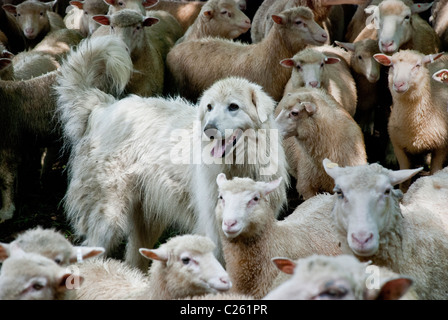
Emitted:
<point x="183" y="266"/>
<point x="51" y="244"/>
<point x="218" y="18"/>
<point x="150" y="151"/>
<point x="373" y="225"/>
<point x="80" y="17"/>
<point x="292" y="31"/>
<point x="399" y="26"/>
<point x="341" y="277"/>
<point x="36" y="19"/>
<point x="31" y="276"/>
<point x="325" y="67"/>
<point x="441" y="76"/>
<point x="251" y="235"/>
<point x="414" y="93"/>
<point x="320" y="128"/>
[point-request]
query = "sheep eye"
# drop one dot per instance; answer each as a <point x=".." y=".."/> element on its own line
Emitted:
<point x="339" y="193"/>
<point x="209" y="107"/>
<point x="322" y="65"/>
<point x="17" y="15"/>
<point x="185" y="260"/>
<point x="298" y="22"/>
<point x="233" y="107"/>
<point x="256" y="199"/>
<point x="294" y="113"/>
<point x="120" y="3"/>
<point x="359" y="57"/>
<point x="41" y="14"/>
<point x="37" y="286"/>
<point x="223" y="12"/>
<point x="387" y="191"/>
<point x="334" y="293"/>
<point x="138" y="27"/>
<point x="220" y="197"/>
<point x="407" y="17"/>
<point x="85" y="12"/>
<point x="298" y="67"/>
<point x="58" y="261"/>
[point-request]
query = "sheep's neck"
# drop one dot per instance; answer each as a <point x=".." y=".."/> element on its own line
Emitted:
<point x="248" y="262"/>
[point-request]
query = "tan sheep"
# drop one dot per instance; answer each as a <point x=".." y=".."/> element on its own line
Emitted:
<point x="292" y="31"/>
<point x="320" y="128"/>
<point x="182" y="267"/>
<point x="218" y="18"/>
<point x="325" y="67"/>
<point x="36" y="19"/>
<point x="439" y="20"/>
<point x="185" y="12"/>
<point x="251" y="234"/>
<point x="415" y="93"/>
<point x="374" y="226"/>
<point x="342" y="277"/>
<point x="322" y="12"/>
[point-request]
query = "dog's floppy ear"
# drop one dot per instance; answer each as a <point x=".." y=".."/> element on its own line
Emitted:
<point x="263" y="103"/>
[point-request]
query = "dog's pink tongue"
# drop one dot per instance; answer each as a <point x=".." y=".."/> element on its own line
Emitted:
<point x="219" y="149"/>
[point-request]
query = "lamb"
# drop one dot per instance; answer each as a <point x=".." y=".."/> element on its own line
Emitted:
<point x="321" y="10"/>
<point x="29" y="64"/>
<point x="373" y="225"/>
<point x="184" y="266"/>
<point x="137" y="5"/>
<point x="50" y="244"/>
<point x="80" y="17"/>
<point x="400" y="27"/>
<point x="35" y="19"/>
<point x="342" y="277"/>
<point x="11" y="35"/>
<point x="251" y="235"/>
<point x="218" y="18"/>
<point x="30" y="276"/>
<point x="150" y="151"/>
<point x="318" y="124"/>
<point x="439" y="20"/>
<point x="413" y="94"/>
<point x="293" y="30"/>
<point x="133" y="28"/>
<point x="441" y="76"/>
<point x="325" y="67"/>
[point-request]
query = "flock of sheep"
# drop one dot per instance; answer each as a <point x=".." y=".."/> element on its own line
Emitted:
<point x="191" y="115"/>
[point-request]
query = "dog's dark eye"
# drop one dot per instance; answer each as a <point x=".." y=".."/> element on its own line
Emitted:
<point x="233" y="107"/>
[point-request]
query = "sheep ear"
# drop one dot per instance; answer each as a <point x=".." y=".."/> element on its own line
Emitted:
<point x="288" y="63"/>
<point x="393" y="289"/>
<point x="110" y="2"/>
<point x="346" y="45"/>
<point x="149" y="3"/>
<point x="5" y="62"/>
<point x="268" y="187"/>
<point x="102" y="19"/>
<point x="285" y="265"/>
<point x="332" y="60"/>
<point x="81" y="253"/>
<point x="441" y="76"/>
<point x="147" y="22"/>
<point x="263" y="104"/>
<point x="421" y="7"/>
<point x="78" y="4"/>
<point x="159" y="254"/>
<point x="383" y="59"/>
<point x="278" y="18"/>
<point x="400" y="176"/>
<point x="10" y="8"/>
<point x="4" y="251"/>
<point x="208" y="14"/>
<point x="310" y="108"/>
<point x="331" y="168"/>
<point x="51" y="4"/>
<point x="221" y="178"/>
<point x="429" y="58"/>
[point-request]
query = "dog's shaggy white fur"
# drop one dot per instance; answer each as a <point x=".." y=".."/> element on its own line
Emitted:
<point x="139" y="165"/>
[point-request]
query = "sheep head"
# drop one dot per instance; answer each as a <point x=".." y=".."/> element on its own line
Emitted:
<point x="366" y="203"/>
<point x="240" y="208"/>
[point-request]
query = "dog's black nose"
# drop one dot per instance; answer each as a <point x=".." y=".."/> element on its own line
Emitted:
<point x="211" y="132"/>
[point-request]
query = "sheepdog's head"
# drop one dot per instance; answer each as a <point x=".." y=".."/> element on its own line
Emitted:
<point x="229" y="108"/>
